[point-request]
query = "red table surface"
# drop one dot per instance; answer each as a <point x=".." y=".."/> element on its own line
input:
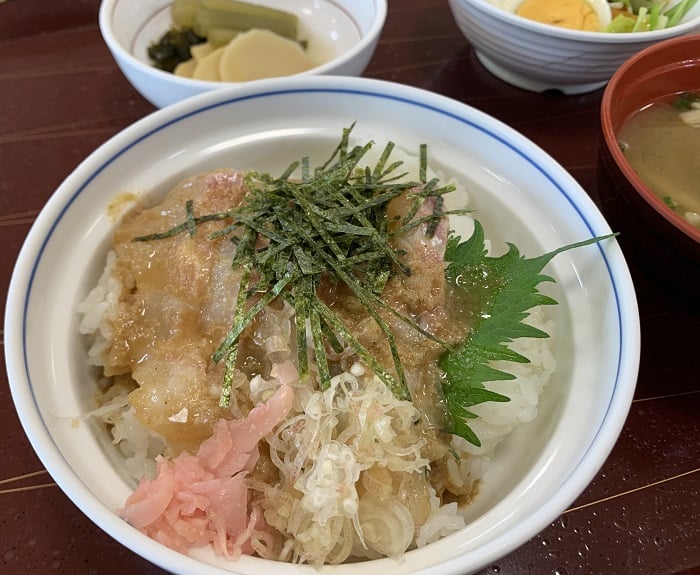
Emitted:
<point x="61" y="95"/>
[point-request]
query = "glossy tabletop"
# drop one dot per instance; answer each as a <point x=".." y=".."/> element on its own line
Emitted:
<point x="61" y="95"/>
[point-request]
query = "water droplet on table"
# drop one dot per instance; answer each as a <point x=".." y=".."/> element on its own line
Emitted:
<point x="621" y="523"/>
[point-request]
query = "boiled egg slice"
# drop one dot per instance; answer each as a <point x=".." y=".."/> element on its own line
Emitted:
<point x="589" y="15"/>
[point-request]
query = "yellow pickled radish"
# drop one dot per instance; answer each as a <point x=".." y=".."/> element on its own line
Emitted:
<point x="186" y="68"/>
<point x="200" y="51"/>
<point x="208" y="67"/>
<point x="222" y="36"/>
<point x="259" y="54"/>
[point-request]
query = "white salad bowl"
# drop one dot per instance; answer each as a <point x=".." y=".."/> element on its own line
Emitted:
<point x="518" y="192"/>
<point x="539" y="57"/>
<point x="342" y="34"/>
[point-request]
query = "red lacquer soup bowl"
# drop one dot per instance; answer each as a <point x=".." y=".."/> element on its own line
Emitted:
<point x="656" y="73"/>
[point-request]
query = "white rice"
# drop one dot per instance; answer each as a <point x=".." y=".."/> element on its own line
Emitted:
<point x="98" y="311"/>
<point x="138" y="444"/>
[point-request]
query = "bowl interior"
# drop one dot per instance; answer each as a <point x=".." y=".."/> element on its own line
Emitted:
<point x="520" y="195"/>
<point x="658" y="72"/>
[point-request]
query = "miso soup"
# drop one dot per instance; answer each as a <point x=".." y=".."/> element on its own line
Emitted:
<point x="662" y="143"/>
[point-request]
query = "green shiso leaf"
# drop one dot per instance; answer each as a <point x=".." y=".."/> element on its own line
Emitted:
<point x="501" y="290"/>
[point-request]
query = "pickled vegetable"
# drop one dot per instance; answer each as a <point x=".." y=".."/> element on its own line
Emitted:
<point x="204" y="15"/>
<point x="260" y="54"/>
<point x="173" y="48"/>
<point x="221" y="36"/>
<point x="183" y="12"/>
<point x="250" y="55"/>
<point x="186" y="69"/>
<point x="208" y="67"/>
<point x="217" y="22"/>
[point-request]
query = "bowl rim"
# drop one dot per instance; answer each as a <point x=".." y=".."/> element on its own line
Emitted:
<point x="582" y="36"/>
<point x="15" y="349"/>
<point x="611" y="141"/>
<point x="105" y="19"/>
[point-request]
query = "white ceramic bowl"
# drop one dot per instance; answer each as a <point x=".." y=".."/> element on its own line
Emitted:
<point x="539" y="57"/>
<point x="521" y="195"/>
<point x="342" y="33"/>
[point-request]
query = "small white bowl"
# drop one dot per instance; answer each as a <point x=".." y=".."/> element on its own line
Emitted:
<point x="343" y="34"/>
<point x="539" y="57"/>
<point x="520" y="195"/>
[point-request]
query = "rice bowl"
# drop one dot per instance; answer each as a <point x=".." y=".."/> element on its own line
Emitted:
<point x="533" y="203"/>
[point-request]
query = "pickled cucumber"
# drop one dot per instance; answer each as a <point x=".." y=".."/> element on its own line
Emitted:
<point x="183" y="12"/>
<point x="173" y="47"/>
<point x="204" y="15"/>
<point x="222" y="36"/>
